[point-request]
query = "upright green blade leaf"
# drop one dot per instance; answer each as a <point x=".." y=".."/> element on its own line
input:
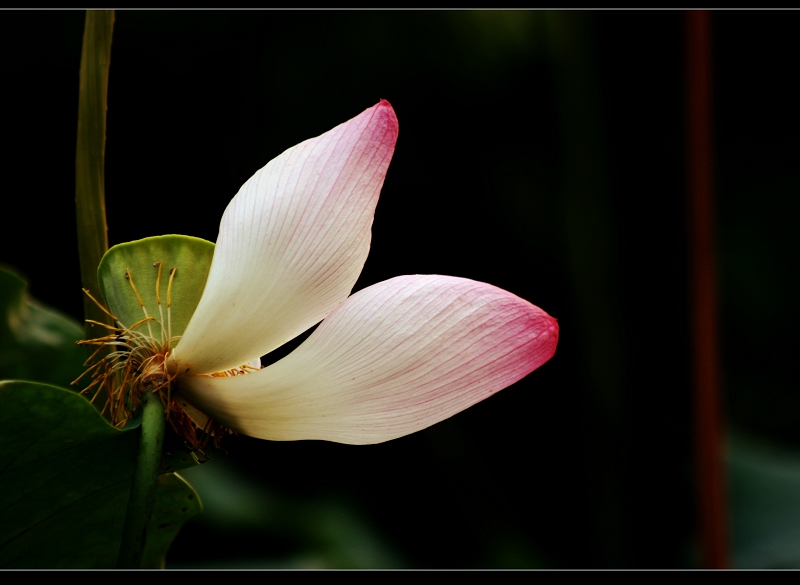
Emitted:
<point x="90" y="158"/>
<point x="66" y="476"/>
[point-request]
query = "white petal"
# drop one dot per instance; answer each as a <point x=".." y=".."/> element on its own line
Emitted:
<point x="395" y="358"/>
<point x="291" y="244"/>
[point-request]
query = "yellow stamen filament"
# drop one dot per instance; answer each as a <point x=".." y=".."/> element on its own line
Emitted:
<point x="158" y="297"/>
<point x="93" y="366"/>
<point x="169" y="302"/>
<point x="146" y="319"/>
<point x="93" y="322"/>
<point x="89" y="361"/>
<point x="102" y="308"/>
<point x="241" y="370"/>
<point x="129" y="278"/>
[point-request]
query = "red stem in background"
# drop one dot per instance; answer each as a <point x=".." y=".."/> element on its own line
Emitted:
<point x="703" y="293"/>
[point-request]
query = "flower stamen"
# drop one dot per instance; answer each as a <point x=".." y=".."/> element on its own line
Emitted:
<point x="137" y="362"/>
<point x="159" y="265"/>
<point x="129" y="278"/>
<point x="100" y="305"/>
<point x="169" y="300"/>
<point x="241" y="370"/>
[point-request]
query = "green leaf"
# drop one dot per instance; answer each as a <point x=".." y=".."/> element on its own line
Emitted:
<point x="176" y="502"/>
<point x="764" y="482"/>
<point x="65" y="476"/>
<point x="36" y="342"/>
<point x="90" y="203"/>
<point x="138" y="263"/>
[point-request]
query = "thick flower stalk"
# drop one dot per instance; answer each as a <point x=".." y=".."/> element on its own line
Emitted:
<point x="390" y="360"/>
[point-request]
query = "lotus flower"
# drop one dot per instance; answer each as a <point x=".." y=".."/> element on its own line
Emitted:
<point x="392" y="359"/>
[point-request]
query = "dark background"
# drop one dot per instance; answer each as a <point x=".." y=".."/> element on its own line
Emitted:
<point x="541" y="152"/>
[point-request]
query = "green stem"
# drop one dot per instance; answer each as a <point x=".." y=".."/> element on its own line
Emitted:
<point x="148" y="465"/>
<point x="90" y="158"/>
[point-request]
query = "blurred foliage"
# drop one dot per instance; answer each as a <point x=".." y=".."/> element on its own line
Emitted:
<point x="36" y="342"/>
<point x="765" y="504"/>
<point x="255" y="526"/>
